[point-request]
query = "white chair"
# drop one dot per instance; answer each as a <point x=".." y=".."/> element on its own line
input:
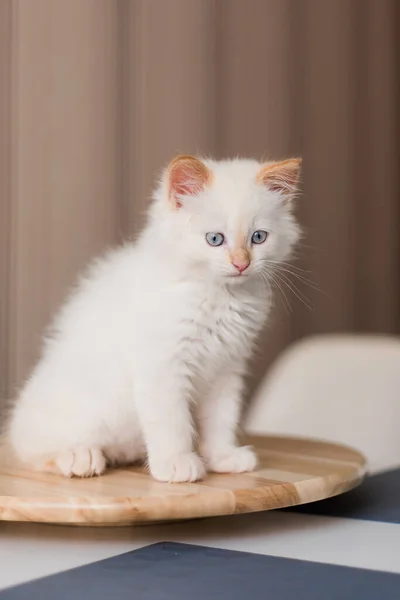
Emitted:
<point x="339" y="388"/>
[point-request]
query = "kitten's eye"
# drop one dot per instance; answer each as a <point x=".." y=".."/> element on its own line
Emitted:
<point x="214" y="239"/>
<point x="259" y="236"/>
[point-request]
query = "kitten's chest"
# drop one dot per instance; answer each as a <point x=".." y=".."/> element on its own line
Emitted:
<point x="223" y="328"/>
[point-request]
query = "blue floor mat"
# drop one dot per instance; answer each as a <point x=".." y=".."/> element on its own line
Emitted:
<point x="170" y="571"/>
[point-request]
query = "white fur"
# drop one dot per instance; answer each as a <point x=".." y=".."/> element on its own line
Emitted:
<point x="156" y="338"/>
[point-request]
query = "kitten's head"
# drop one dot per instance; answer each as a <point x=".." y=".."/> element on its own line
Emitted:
<point x="232" y="219"/>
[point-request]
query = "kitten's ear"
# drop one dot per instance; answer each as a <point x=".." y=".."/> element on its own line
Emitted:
<point x="187" y="176"/>
<point x="282" y="177"/>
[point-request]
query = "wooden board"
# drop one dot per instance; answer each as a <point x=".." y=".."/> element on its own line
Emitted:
<point x="290" y="472"/>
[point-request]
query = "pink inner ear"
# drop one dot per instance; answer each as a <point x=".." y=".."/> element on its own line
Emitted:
<point x="280" y="182"/>
<point x="281" y="177"/>
<point x="187" y="177"/>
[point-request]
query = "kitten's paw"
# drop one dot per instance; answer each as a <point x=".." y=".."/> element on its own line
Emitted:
<point x="177" y="469"/>
<point x="81" y="462"/>
<point x="233" y="460"/>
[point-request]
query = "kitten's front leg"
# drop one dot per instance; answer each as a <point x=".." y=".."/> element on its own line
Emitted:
<point x="219" y="415"/>
<point x="166" y="421"/>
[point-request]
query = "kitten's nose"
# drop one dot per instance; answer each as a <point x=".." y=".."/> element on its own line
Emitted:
<point x="241" y="265"/>
<point x="240" y="258"/>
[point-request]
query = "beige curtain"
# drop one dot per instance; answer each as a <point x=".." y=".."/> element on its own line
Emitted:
<point x="96" y="95"/>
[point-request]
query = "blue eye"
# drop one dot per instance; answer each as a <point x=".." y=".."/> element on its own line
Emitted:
<point x="259" y="236"/>
<point x="214" y="239"/>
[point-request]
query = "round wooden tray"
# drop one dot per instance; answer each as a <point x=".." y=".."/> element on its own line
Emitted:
<point x="291" y="471"/>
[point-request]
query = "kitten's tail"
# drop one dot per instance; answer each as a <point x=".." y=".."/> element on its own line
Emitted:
<point x="7" y="453"/>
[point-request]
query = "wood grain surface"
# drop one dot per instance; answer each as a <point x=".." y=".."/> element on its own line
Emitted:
<point x="290" y="472"/>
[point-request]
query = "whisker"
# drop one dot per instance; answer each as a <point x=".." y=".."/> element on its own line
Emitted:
<point x="286" y="264"/>
<point x="276" y="282"/>
<point x="265" y="279"/>
<point x="292" y="287"/>
<point x="301" y="278"/>
<point x="296" y="272"/>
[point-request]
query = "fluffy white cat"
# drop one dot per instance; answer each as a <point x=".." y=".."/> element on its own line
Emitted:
<point x="146" y="359"/>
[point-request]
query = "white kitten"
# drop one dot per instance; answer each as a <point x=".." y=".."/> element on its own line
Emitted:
<point x="147" y="357"/>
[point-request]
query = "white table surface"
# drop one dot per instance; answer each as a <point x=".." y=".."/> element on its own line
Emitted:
<point x="29" y="551"/>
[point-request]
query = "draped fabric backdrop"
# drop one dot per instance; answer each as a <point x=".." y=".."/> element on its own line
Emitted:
<point x="96" y="95"/>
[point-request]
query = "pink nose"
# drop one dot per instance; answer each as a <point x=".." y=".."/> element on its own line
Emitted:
<point x="241" y="265"/>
